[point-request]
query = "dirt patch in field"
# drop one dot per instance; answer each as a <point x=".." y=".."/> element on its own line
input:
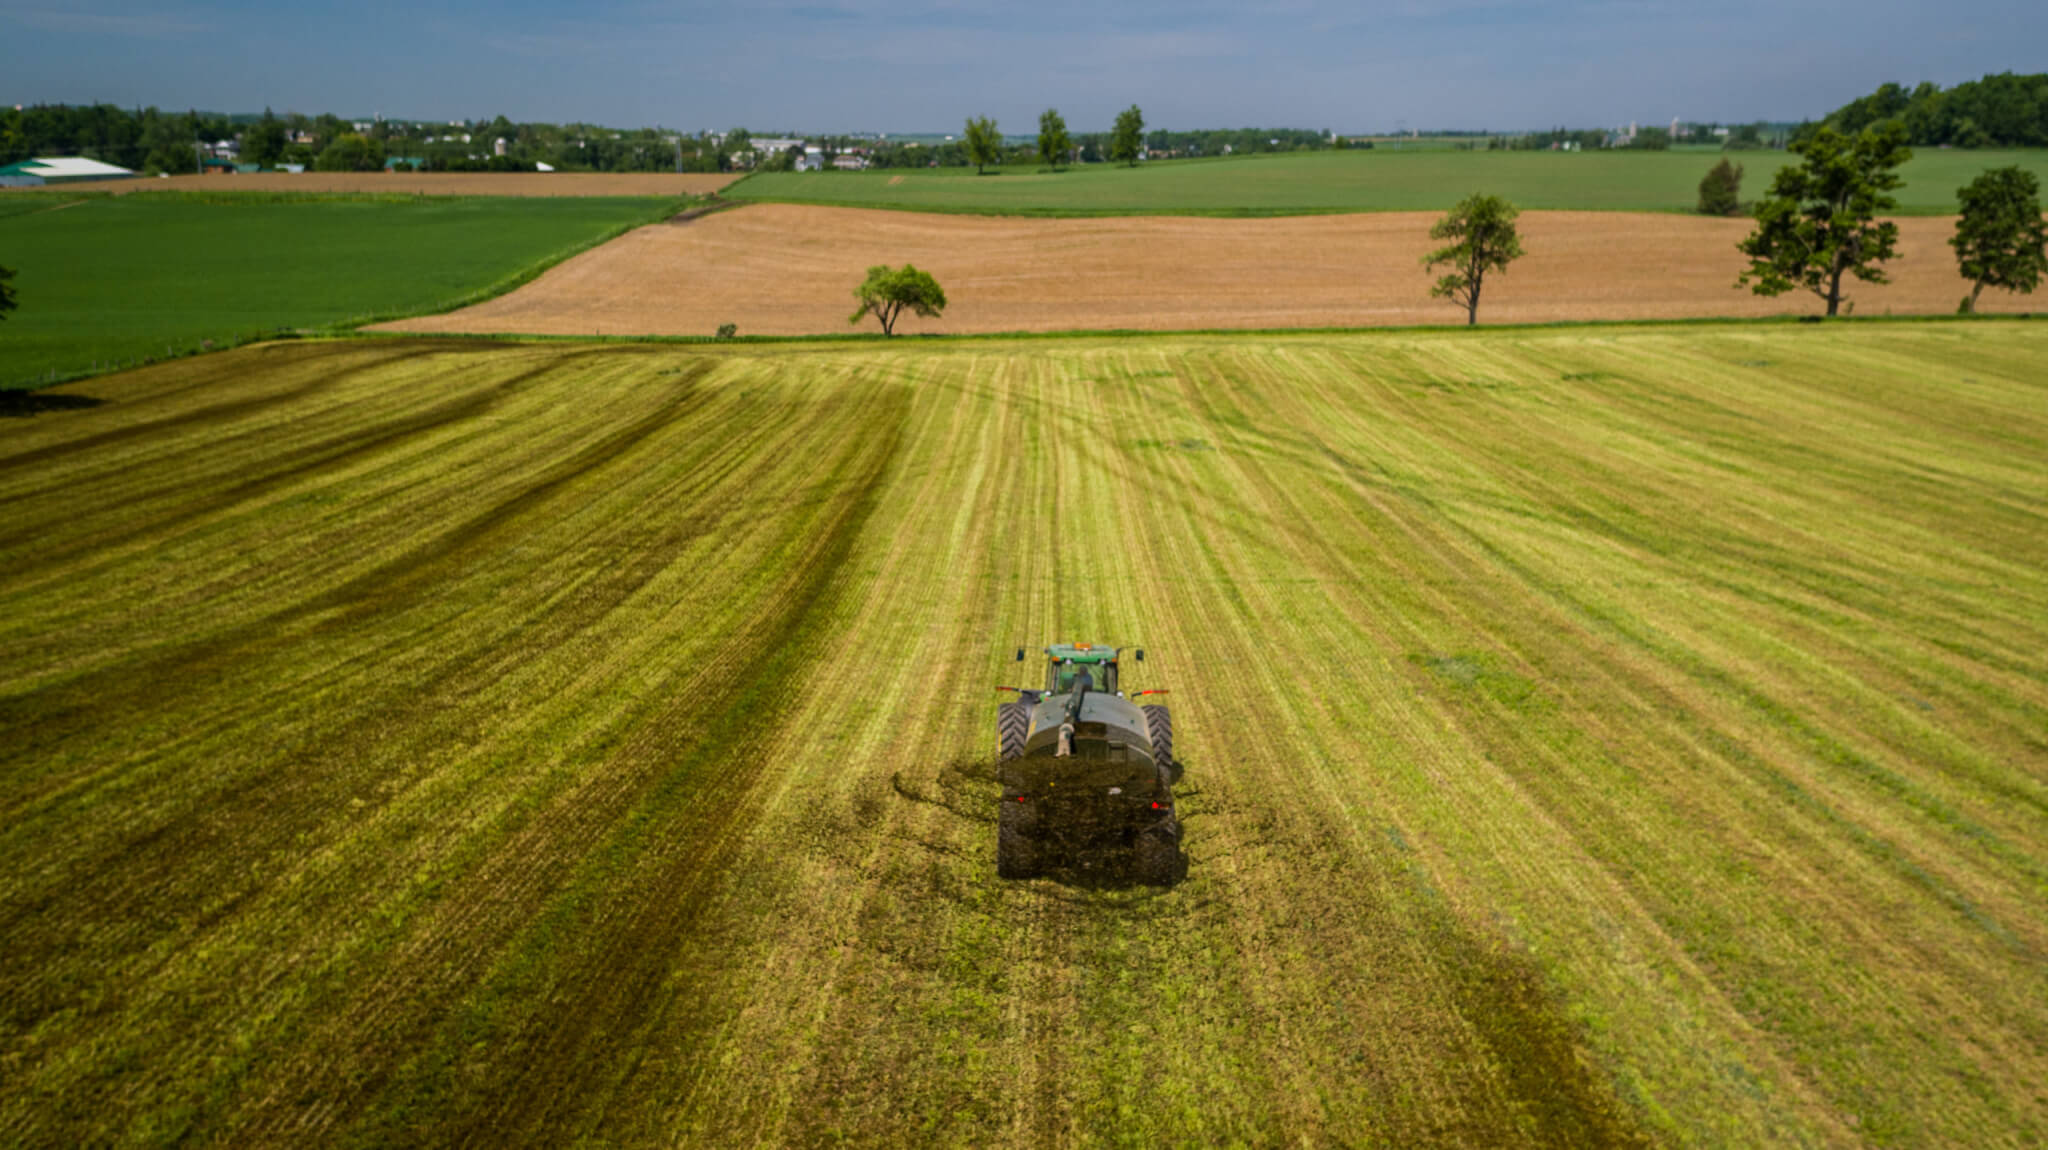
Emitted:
<point x="439" y="183"/>
<point x="783" y="269"/>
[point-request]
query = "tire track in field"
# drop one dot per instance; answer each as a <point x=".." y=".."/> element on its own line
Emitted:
<point x="1559" y="784"/>
<point x="314" y="797"/>
<point x="333" y="452"/>
<point x="251" y="819"/>
<point x="209" y="415"/>
<point x="1528" y="1074"/>
<point x="126" y="691"/>
<point x="631" y="908"/>
<point x="42" y="718"/>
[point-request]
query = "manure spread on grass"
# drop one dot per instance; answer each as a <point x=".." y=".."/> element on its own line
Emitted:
<point x="1084" y="852"/>
<point x="17" y="404"/>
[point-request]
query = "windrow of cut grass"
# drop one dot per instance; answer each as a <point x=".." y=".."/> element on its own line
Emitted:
<point x="104" y="281"/>
<point x="1594" y="737"/>
<point x="1306" y="183"/>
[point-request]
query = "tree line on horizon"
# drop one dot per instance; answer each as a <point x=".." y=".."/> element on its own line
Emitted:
<point x="2007" y="110"/>
<point x="152" y="141"/>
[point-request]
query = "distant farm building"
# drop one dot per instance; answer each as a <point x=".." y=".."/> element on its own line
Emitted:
<point x="58" y="170"/>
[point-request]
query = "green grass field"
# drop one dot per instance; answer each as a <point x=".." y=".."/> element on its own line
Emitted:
<point x="107" y="280"/>
<point x="1349" y="181"/>
<point x="1599" y="737"/>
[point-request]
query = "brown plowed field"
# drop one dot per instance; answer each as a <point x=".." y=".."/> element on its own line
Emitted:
<point x="780" y="269"/>
<point x="439" y="183"/>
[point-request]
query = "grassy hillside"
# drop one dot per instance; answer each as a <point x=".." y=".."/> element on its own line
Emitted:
<point x="1349" y="181"/>
<point x="107" y="280"/>
<point x="1593" y="737"/>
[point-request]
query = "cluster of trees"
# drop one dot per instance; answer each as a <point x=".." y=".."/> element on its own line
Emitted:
<point x="2002" y="111"/>
<point x="150" y="140"/>
<point x="146" y="139"/>
<point x="1819" y="226"/>
<point x="1125" y="143"/>
<point x="1740" y="138"/>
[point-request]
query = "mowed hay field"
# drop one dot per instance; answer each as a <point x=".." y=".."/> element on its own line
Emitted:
<point x="1593" y="737"/>
<point x="779" y="269"/>
<point x="437" y="183"/>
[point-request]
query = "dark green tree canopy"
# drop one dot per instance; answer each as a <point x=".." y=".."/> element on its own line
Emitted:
<point x="984" y="143"/>
<point x="1721" y="189"/>
<point x="7" y="300"/>
<point x="2001" y="111"/>
<point x="1820" y="223"/>
<point x="2000" y="240"/>
<point x="888" y="291"/>
<point x="1053" y="141"/>
<point x="1127" y="140"/>
<point x="1484" y="230"/>
<point x="351" y="153"/>
<point x="265" y="140"/>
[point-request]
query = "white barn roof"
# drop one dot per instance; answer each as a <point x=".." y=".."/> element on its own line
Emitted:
<point x="73" y="167"/>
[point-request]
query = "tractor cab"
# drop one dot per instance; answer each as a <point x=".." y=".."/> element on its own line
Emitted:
<point x="1069" y="664"/>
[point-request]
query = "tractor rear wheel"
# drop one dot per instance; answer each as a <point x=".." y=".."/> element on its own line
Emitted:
<point x="1156" y="856"/>
<point x="1016" y="854"/>
<point x="1013" y="727"/>
<point x="1159" y="725"/>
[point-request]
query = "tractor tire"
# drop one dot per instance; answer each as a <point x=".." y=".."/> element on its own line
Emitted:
<point x="1016" y="854"/>
<point x="1156" y="858"/>
<point x="1013" y="727"/>
<point x="1159" y="725"/>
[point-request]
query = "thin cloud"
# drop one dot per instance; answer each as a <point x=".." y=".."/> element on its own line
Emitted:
<point x="140" y="27"/>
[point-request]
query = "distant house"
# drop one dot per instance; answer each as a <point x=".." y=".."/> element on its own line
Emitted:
<point x="765" y="148"/>
<point x="849" y="163"/>
<point x="58" y="170"/>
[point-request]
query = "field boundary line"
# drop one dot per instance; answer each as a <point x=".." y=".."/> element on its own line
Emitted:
<point x="1447" y="328"/>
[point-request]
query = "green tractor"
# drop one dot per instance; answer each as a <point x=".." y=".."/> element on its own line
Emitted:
<point x="1080" y="764"/>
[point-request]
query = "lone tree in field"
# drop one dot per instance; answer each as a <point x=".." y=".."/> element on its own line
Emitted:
<point x="1053" y="141"/>
<point x="1721" y="190"/>
<point x="984" y="146"/>
<point x="1127" y="140"/>
<point x="2000" y="241"/>
<point x="1820" y="221"/>
<point x="888" y="291"/>
<point x="1484" y="228"/>
<point x="7" y="301"/>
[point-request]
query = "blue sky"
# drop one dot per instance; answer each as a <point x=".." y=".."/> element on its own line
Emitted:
<point x="925" y="65"/>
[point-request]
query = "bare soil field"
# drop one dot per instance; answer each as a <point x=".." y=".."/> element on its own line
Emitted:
<point x="783" y="269"/>
<point x="439" y="183"/>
